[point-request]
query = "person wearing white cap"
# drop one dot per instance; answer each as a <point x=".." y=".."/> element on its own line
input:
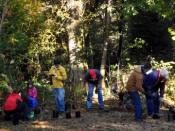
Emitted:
<point x="154" y="83"/>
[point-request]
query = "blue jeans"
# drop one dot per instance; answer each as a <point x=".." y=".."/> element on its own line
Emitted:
<point x="153" y="103"/>
<point x="59" y="94"/>
<point x="90" y="95"/>
<point x="137" y="104"/>
<point x="32" y="102"/>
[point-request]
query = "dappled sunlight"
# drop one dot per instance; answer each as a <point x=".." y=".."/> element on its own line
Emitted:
<point x="4" y="129"/>
<point x="171" y="30"/>
<point x="41" y="124"/>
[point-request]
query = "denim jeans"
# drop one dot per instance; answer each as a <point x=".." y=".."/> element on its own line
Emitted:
<point x="32" y="102"/>
<point x="137" y="104"/>
<point x="90" y="95"/>
<point x="59" y="94"/>
<point x="153" y="104"/>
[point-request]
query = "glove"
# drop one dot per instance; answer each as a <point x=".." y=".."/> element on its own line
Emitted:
<point x="161" y="99"/>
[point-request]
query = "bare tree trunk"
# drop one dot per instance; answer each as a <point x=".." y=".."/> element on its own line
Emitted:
<point x="106" y="34"/>
<point x="119" y="51"/>
<point x="3" y="15"/>
<point x="75" y="9"/>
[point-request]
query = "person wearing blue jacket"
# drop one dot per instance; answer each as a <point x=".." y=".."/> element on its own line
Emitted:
<point x="154" y="83"/>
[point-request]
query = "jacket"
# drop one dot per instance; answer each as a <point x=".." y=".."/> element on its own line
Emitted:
<point x="58" y="76"/>
<point x="11" y="102"/>
<point x="32" y="92"/>
<point x="135" y="80"/>
<point x="89" y="78"/>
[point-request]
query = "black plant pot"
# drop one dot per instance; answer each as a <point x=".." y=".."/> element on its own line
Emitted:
<point x="15" y="121"/>
<point x="54" y="114"/>
<point x="67" y="106"/>
<point x="77" y="114"/>
<point x="68" y="115"/>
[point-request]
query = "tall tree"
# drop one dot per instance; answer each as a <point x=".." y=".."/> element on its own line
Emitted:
<point x="4" y="11"/>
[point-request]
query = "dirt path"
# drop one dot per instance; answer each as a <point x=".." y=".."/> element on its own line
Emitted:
<point x="113" y="120"/>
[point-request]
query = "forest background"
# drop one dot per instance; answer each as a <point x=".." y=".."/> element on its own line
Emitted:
<point x="111" y="35"/>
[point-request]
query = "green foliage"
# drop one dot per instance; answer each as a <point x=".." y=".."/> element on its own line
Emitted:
<point x="164" y="7"/>
<point x="138" y="43"/>
<point x="171" y="30"/>
<point x="171" y="88"/>
<point x="3" y="82"/>
<point x="162" y="64"/>
<point x="3" y="85"/>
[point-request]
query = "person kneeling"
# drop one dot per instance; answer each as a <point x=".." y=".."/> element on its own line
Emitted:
<point x="13" y="107"/>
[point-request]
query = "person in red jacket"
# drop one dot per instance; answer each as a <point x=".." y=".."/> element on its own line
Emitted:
<point x="13" y="106"/>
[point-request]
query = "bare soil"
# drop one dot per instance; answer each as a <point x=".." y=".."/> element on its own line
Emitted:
<point x="115" y="118"/>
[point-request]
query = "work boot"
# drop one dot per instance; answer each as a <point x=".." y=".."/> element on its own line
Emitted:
<point x="155" y="116"/>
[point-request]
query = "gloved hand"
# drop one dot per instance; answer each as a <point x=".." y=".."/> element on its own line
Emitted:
<point x="161" y="99"/>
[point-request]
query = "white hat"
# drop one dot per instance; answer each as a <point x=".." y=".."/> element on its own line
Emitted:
<point x="164" y="73"/>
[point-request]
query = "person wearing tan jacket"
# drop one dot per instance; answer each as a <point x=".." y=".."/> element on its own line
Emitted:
<point x="134" y="85"/>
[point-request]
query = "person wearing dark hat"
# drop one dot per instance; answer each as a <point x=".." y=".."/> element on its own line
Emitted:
<point x="58" y="74"/>
<point x="93" y="77"/>
<point x="154" y="83"/>
<point x="134" y="85"/>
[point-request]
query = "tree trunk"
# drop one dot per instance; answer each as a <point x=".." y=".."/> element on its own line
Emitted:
<point x="106" y="34"/>
<point x="3" y="15"/>
<point x="75" y="8"/>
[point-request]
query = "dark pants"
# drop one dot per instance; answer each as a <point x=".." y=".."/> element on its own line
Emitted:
<point x="21" y="109"/>
<point x="153" y="103"/>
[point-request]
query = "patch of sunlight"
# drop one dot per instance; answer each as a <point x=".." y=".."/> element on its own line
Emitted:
<point x="46" y="126"/>
<point x="3" y="129"/>
<point x="171" y="30"/>
<point x="173" y="38"/>
<point x="150" y="2"/>
<point x="41" y="124"/>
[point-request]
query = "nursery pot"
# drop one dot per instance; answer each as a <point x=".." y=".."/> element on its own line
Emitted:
<point x="15" y="120"/>
<point x="77" y="114"/>
<point x="68" y="115"/>
<point x="54" y="114"/>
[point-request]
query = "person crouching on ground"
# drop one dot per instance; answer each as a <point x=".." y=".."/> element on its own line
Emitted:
<point x="14" y="106"/>
<point x="94" y="79"/>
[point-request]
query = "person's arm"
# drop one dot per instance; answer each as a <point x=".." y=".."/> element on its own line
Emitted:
<point x="99" y="78"/>
<point x="162" y="89"/>
<point x="63" y="74"/>
<point x="51" y="74"/>
<point x="35" y="93"/>
<point x="85" y="79"/>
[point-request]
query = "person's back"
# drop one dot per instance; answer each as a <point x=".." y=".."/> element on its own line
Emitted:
<point x="93" y="76"/>
<point x="135" y="79"/>
<point x="11" y="101"/>
<point x="150" y="78"/>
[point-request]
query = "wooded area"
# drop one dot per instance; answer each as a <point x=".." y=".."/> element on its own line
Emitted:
<point x="110" y="35"/>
